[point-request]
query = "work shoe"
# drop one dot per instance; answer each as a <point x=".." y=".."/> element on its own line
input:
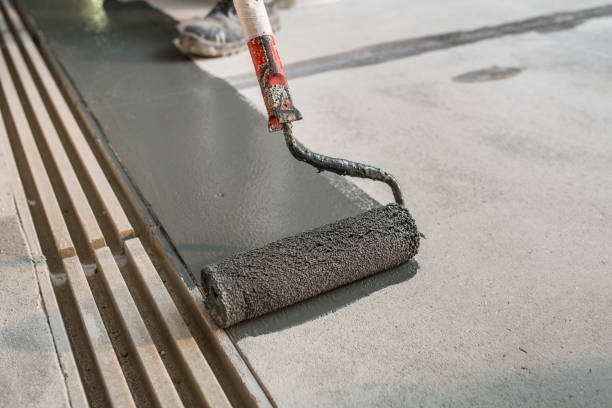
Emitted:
<point x="219" y="33"/>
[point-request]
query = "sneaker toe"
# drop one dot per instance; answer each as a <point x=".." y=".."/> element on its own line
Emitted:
<point x="212" y="32"/>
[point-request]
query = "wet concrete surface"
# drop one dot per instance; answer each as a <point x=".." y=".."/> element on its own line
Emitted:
<point x="198" y="152"/>
<point x="493" y="73"/>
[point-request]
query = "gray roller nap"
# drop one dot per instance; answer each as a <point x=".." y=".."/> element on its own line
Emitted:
<point x="296" y="268"/>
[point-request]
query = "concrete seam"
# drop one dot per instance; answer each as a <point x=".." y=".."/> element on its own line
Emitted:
<point x="250" y="367"/>
<point x="35" y="260"/>
<point x="409" y="47"/>
<point x="44" y="304"/>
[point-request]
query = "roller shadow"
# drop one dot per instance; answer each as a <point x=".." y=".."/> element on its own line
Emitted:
<point x="323" y="304"/>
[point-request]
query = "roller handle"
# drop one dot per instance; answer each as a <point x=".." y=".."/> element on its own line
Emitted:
<point x="268" y="67"/>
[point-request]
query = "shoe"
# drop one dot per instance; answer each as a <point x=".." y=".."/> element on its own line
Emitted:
<point x="219" y="33"/>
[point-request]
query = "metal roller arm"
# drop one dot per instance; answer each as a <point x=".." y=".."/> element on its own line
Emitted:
<point x="342" y="167"/>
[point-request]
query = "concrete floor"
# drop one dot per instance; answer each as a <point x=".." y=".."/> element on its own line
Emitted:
<point x="510" y="180"/>
<point x="502" y="148"/>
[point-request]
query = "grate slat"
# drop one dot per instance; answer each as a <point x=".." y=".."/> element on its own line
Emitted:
<point x="59" y="229"/>
<point x="159" y="383"/>
<point x="209" y="390"/>
<point x="115" y="385"/>
<point x="121" y="225"/>
<point x="84" y="213"/>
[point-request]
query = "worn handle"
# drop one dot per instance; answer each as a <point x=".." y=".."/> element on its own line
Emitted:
<point x="268" y="68"/>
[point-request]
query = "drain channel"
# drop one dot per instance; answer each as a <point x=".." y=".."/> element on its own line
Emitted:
<point x="136" y="333"/>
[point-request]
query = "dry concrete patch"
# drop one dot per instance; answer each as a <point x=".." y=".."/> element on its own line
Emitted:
<point x="510" y="181"/>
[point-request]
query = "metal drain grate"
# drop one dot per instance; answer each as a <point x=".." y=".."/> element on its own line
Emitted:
<point x="131" y="341"/>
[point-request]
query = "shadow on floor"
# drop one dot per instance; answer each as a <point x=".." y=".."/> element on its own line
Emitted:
<point x="324" y="304"/>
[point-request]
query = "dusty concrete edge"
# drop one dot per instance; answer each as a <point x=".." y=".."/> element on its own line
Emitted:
<point x="73" y="388"/>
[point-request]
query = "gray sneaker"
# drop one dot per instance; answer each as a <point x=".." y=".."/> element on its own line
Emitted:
<point x="219" y="33"/>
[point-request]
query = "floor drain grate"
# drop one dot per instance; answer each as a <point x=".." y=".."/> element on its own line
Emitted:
<point x="132" y="343"/>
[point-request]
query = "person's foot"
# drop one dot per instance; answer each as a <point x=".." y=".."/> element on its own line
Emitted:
<point x="219" y="33"/>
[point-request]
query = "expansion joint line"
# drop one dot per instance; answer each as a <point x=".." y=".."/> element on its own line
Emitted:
<point x="393" y="50"/>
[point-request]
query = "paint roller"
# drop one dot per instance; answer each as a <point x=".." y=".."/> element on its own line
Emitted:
<point x="296" y="268"/>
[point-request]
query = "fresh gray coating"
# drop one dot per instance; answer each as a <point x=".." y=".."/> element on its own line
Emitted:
<point x="299" y="267"/>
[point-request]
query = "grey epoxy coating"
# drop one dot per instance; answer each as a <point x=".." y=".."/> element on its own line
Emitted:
<point x="198" y="152"/>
